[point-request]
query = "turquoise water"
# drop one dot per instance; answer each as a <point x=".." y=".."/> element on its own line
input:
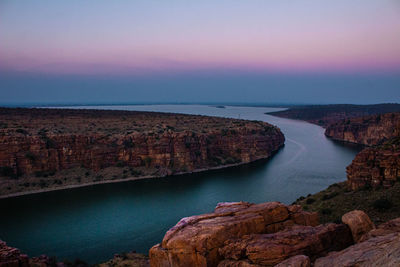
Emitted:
<point x="93" y="223"/>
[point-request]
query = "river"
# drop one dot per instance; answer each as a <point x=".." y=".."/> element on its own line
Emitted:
<point x="92" y="223"/>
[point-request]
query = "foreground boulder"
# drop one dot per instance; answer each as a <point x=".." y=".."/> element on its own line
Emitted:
<point x="295" y="261"/>
<point x="271" y="249"/>
<point x="359" y="223"/>
<point x="389" y="227"/>
<point x="377" y="251"/>
<point x="196" y="240"/>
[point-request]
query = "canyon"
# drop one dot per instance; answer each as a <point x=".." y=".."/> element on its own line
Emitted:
<point x="274" y="234"/>
<point x="55" y="148"/>
<point x="379" y="163"/>
<point x="377" y="127"/>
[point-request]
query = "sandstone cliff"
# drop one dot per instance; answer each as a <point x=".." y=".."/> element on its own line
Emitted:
<point x="370" y="130"/>
<point x="42" y="142"/>
<point x="377" y="165"/>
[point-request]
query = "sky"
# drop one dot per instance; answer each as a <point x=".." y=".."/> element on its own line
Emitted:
<point x="250" y="51"/>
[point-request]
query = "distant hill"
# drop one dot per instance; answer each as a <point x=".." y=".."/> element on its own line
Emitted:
<point x="327" y="114"/>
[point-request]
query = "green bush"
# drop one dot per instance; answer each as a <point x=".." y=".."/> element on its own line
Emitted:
<point x="120" y="164"/>
<point x="29" y="155"/>
<point x="310" y="200"/>
<point x="6" y="171"/>
<point x="329" y="196"/>
<point x="382" y="204"/>
<point x="326" y="211"/>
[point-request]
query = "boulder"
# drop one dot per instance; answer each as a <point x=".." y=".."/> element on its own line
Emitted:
<point x="295" y="261"/>
<point x="12" y="257"/>
<point x="377" y="251"/>
<point x="195" y="241"/>
<point x="392" y="226"/>
<point x="359" y="223"/>
<point x="271" y="249"/>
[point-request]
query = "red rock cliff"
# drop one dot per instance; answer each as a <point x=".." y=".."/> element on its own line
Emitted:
<point x="39" y="140"/>
<point x="371" y="130"/>
<point x="377" y="165"/>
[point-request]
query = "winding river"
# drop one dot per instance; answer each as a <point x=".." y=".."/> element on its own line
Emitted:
<point x="93" y="223"/>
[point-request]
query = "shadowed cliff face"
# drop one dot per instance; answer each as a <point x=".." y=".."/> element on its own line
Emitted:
<point x="377" y="165"/>
<point x="36" y="141"/>
<point x="325" y="115"/>
<point x="370" y="130"/>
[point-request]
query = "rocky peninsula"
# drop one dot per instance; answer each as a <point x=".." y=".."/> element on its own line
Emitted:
<point x="46" y="149"/>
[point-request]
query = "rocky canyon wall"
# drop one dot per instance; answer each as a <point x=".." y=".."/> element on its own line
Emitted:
<point x="38" y="141"/>
<point x="379" y="164"/>
<point x="370" y="130"/>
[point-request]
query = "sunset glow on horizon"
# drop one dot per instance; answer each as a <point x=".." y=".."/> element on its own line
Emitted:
<point x="126" y="37"/>
<point x="146" y="51"/>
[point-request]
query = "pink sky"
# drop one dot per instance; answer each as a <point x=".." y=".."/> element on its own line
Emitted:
<point x="135" y="37"/>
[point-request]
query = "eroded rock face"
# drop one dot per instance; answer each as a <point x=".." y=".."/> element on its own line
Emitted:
<point x="378" y="165"/>
<point x="12" y="257"/>
<point x="296" y="261"/>
<point x="392" y="226"/>
<point x="375" y="166"/>
<point x="196" y="240"/>
<point x="271" y="249"/>
<point x="358" y="222"/>
<point x="370" y="130"/>
<point x="39" y="141"/>
<point x="377" y="251"/>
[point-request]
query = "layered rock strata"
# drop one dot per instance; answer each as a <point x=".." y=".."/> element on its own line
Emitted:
<point x="375" y="166"/>
<point x="12" y="257"/>
<point x="198" y="240"/>
<point x="377" y="251"/>
<point x="378" y="165"/>
<point x="271" y="249"/>
<point x="238" y="235"/>
<point x="35" y="141"/>
<point x="370" y="130"/>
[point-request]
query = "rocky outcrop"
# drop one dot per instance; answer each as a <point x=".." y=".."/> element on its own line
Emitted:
<point x="370" y="130"/>
<point x="39" y="141"/>
<point x="375" y="166"/>
<point x="130" y="259"/>
<point x="389" y="227"/>
<point x="238" y="235"/>
<point x="377" y="251"/>
<point x="378" y="165"/>
<point x="12" y="257"/>
<point x="197" y="240"/>
<point x="296" y="261"/>
<point x="358" y="222"/>
<point x="271" y="249"/>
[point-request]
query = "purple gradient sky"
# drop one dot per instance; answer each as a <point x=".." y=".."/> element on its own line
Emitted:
<point x="247" y="51"/>
<point x="128" y="37"/>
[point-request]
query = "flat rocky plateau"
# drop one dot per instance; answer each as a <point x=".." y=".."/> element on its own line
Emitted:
<point x="47" y="149"/>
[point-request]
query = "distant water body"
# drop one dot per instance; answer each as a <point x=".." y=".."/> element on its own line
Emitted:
<point x="93" y="223"/>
